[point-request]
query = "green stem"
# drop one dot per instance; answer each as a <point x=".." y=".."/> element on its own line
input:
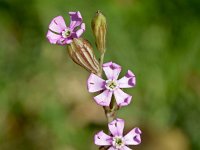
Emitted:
<point x="101" y="64"/>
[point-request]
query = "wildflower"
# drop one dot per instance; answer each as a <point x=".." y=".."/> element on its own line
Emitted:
<point x="116" y="141"/>
<point x="61" y="34"/>
<point x="111" y="85"/>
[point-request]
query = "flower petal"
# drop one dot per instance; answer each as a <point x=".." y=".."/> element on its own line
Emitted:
<point x="68" y="40"/>
<point x="112" y="148"/>
<point x="122" y="98"/>
<point x="127" y="81"/>
<point x="125" y="148"/>
<point x="104" y="98"/>
<point x="133" y="137"/>
<point x="80" y="31"/>
<point x="95" y="83"/>
<point x="116" y="127"/>
<point x="57" y="24"/>
<point x="62" y="41"/>
<point x="52" y="37"/>
<point x="112" y="70"/>
<point x="76" y="19"/>
<point x="122" y="148"/>
<point x="102" y="139"/>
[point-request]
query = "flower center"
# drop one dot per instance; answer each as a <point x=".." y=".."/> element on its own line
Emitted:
<point x="118" y="142"/>
<point x="66" y="33"/>
<point x="111" y="84"/>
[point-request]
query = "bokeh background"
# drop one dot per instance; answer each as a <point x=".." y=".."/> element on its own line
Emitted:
<point x="44" y="104"/>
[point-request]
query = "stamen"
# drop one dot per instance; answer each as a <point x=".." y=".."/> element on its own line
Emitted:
<point x="66" y="33"/>
<point x="118" y="142"/>
<point x="111" y="84"/>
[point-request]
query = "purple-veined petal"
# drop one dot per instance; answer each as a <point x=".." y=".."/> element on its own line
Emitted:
<point x="95" y="83"/>
<point x="127" y="81"/>
<point x="116" y="127"/>
<point x="125" y="148"/>
<point x="122" y="98"/>
<point x="76" y="19"/>
<point x="104" y="98"/>
<point x="57" y="24"/>
<point x="102" y="139"/>
<point x="52" y="37"/>
<point x="112" y="70"/>
<point x="80" y="31"/>
<point x="133" y="137"/>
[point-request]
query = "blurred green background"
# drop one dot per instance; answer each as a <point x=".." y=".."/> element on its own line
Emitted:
<point x="44" y="104"/>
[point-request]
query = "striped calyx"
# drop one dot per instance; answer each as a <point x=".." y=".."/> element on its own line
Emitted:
<point x="81" y="52"/>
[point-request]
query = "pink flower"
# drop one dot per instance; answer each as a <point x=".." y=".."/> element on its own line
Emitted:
<point x="111" y="85"/>
<point x="61" y="34"/>
<point x="116" y="141"/>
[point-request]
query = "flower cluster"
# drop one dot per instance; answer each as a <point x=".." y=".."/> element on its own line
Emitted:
<point x="110" y="90"/>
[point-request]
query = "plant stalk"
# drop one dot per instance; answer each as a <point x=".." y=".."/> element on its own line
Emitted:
<point x="111" y="110"/>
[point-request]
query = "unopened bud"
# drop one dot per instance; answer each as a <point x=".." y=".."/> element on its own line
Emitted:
<point x="81" y="52"/>
<point x="99" y="30"/>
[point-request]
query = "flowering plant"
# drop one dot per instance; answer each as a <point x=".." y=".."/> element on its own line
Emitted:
<point x="81" y="52"/>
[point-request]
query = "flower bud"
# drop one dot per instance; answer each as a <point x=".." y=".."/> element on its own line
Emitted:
<point x="81" y="52"/>
<point x="99" y="30"/>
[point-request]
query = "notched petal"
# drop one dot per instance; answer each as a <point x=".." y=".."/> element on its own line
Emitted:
<point x="112" y="70"/>
<point x="116" y="127"/>
<point x="76" y="19"/>
<point x="95" y="83"/>
<point x="133" y="137"/>
<point x="102" y="139"/>
<point x="128" y="81"/>
<point x="122" y="98"/>
<point x="52" y="37"/>
<point x="57" y="24"/>
<point x="104" y="98"/>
